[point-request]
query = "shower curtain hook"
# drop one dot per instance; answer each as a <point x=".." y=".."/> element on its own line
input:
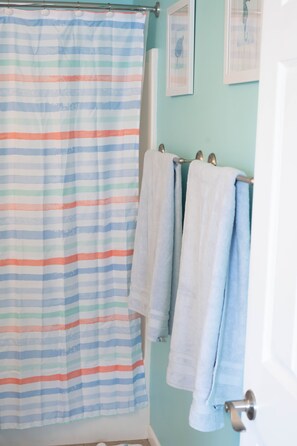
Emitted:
<point x="44" y="10"/>
<point x="109" y="12"/>
<point x="78" y="12"/>
<point x="9" y="10"/>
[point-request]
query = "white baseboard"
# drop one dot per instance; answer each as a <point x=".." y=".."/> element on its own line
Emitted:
<point x="152" y="437"/>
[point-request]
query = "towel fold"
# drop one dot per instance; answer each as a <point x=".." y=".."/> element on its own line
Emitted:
<point x="157" y="243"/>
<point x="207" y="346"/>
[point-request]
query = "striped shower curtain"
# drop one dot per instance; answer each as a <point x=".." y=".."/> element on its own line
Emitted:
<point x="70" y="88"/>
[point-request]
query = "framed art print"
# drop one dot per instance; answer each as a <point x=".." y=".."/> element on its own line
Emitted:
<point x="180" y="48"/>
<point x="243" y="20"/>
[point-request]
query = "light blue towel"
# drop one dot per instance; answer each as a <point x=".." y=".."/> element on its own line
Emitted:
<point x="157" y="243"/>
<point x="227" y="383"/>
<point x="206" y="354"/>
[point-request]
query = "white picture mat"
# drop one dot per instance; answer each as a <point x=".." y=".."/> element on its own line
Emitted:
<point x="180" y="48"/>
<point x="243" y="19"/>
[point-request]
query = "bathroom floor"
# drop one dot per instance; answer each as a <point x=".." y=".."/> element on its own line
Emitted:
<point x="112" y="443"/>
<point x="115" y="443"/>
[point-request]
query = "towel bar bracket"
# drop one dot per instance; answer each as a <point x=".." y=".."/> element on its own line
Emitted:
<point x="212" y="159"/>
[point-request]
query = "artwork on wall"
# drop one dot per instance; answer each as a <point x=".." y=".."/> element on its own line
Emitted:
<point x="180" y="48"/>
<point x="243" y="20"/>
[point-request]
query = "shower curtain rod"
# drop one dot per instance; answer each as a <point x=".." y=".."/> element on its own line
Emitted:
<point x="79" y="5"/>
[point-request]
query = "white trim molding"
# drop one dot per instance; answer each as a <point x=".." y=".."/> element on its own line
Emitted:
<point x="152" y="437"/>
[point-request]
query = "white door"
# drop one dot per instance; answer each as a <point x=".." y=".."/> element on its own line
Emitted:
<point x="271" y="356"/>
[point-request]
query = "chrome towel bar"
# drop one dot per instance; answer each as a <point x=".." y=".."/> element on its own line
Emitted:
<point x="211" y="159"/>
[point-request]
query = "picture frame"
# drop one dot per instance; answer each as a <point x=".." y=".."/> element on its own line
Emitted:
<point x="243" y="20"/>
<point x="180" y="48"/>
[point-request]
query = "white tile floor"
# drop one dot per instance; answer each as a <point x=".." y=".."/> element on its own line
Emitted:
<point x="142" y="442"/>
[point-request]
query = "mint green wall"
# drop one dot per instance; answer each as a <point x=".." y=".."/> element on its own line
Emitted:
<point x="219" y="118"/>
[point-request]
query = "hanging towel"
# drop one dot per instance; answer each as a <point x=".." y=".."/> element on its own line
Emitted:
<point x="206" y="354"/>
<point x="227" y="381"/>
<point x="157" y="243"/>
